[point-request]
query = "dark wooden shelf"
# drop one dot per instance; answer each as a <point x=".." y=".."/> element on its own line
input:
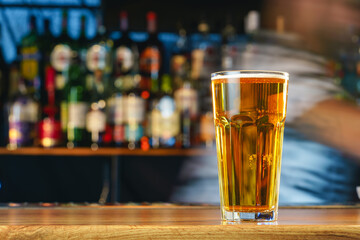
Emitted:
<point x="36" y="151"/>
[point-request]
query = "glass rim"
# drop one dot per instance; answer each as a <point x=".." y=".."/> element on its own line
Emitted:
<point x="250" y="74"/>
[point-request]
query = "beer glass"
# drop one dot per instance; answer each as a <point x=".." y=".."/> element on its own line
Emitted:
<point x="249" y="113"/>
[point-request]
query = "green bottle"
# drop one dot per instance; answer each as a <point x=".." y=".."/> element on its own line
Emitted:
<point x="81" y="44"/>
<point x="77" y="105"/>
<point x="60" y="59"/>
<point x="30" y="60"/>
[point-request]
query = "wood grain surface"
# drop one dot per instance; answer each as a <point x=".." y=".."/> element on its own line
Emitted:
<point x="172" y="222"/>
<point x="82" y="151"/>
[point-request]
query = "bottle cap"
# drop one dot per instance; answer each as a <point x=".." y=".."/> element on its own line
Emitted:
<point x="123" y="14"/>
<point x="151" y="19"/>
<point x="151" y="15"/>
<point x="123" y="21"/>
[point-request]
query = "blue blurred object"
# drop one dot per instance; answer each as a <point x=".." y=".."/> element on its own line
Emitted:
<point x="313" y="173"/>
<point x="14" y="20"/>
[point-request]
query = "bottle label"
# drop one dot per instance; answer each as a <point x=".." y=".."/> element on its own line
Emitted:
<point x="21" y="133"/>
<point x="49" y="132"/>
<point x="24" y="110"/>
<point x="124" y="59"/>
<point x="32" y="111"/>
<point x="60" y="57"/>
<point x="30" y="62"/>
<point x="107" y="137"/>
<point x="156" y="121"/>
<point x="166" y="106"/>
<point x="77" y="114"/>
<point x="187" y="99"/>
<point x="164" y="127"/>
<point x="134" y="132"/>
<point x="135" y="109"/>
<point x="60" y="81"/>
<point x="96" y="58"/>
<point x="171" y="126"/>
<point x="127" y="82"/>
<point x="96" y="121"/>
<point x="119" y="109"/>
<point x="22" y="122"/>
<point x="197" y="57"/>
<point x="165" y="119"/>
<point x="150" y="60"/>
<point x="64" y="115"/>
<point x="119" y="133"/>
<point x="178" y="63"/>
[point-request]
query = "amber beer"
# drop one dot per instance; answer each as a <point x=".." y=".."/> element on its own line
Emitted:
<point x="249" y="112"/>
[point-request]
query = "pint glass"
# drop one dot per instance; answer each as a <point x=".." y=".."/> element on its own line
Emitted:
<point x="249" y="113"/>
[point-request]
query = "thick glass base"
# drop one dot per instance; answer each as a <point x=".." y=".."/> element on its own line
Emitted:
<point x="249" y="216"/>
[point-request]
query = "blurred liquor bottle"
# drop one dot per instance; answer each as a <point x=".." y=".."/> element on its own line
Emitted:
<point x="77" y="104"/>
<point x="96" y="117"/>
<point x="186" y="99"/>
<point x="82" y="43"/>
<point x="135" y="107"/>
<point x="13" y="88"/>
<point x="151" y="69"/>
<point x="4" y="87"/>
<point x="151" y="57"/>
<point x="165" y="117"/>
<point x="30" y="60"/>
<point x="60" y="59"/>
<point x="46" y="40"/>
<point x="125" y="77"/>
<point x="98" y="56"/>
<point x="116" y="118"/>
<point x="180" y="58"/>
<point x="50" y="134"/>
<point x="23" y="112"/>
<point x="126" y="52"/>
<point x="229" y="46"/>
<point x="14" y="77"/>
<point x="99" y="67"/>
<point x="205" y="60"/>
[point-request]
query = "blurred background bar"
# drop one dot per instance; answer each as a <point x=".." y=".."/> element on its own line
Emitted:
<point x="110" y="101"/>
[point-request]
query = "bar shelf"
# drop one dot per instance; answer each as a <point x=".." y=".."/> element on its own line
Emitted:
<point x="106" y="151"/>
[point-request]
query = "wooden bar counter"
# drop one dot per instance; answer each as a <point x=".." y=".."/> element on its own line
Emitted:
<point x="172" y="222"/>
